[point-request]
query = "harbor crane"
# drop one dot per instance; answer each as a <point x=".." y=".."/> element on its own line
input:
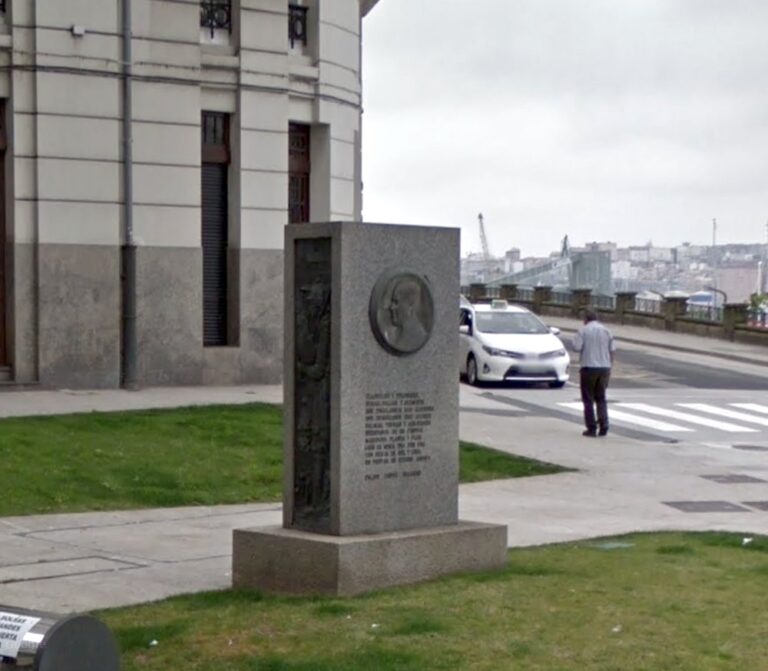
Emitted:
<point x="483" y="238"/>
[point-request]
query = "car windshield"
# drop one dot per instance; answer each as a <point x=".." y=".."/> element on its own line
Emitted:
<point x="509" y="322"/>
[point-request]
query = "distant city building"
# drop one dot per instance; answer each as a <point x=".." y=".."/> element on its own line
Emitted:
<point x="640" y="254"/>
<point x="689" y="251"/>
<point x="512" y="256"/>
<point x="738" y="281"/>
<point x="592" y="270"/>
<point x="479" y="269"/>
<point x="737" y="269"/>
<point x="610" y="247"/>
<point x="661" y="254"/>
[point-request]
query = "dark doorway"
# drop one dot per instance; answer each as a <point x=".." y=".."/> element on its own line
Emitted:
<point x="298" y="169"/>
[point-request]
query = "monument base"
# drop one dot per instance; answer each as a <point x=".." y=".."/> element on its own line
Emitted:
<point x="286" y="561"/>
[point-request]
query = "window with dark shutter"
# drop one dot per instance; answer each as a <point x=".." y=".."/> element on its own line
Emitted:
<point x="215" y="228"/>
<point x="298" y="172"/>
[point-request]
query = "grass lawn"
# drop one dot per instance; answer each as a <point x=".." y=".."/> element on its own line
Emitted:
<point x="179" y="457"/>
<point x="655" y="602"/>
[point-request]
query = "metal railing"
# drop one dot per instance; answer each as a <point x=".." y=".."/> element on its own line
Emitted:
<point x="216" y="15"/>
<point x="603" y="302"/>
<point x="704" y="313"/>
<point x="297" y="25"/>
<point x="560" y="297"/>
<point x="609" y="303"/>
<point x="649" y="305"/>
<point x="735" y="321"/>
<point x="757" y="319"/>
<point x="525" y="293"/>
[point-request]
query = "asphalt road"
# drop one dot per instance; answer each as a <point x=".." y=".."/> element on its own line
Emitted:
<point x="655" y="395"/>
<point x="645" y="367"/>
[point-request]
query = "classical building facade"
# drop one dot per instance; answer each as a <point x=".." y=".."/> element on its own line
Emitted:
<point x="152" y="153"/>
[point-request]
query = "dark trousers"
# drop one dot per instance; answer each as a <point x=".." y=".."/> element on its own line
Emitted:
<point x="594" y="382"/>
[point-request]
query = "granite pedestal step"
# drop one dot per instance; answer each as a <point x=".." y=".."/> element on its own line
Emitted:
<point x="287" y="561"/>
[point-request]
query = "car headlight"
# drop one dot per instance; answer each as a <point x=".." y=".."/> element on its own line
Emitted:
<point x="493" y="351"/>
<point x="553" y="354"/>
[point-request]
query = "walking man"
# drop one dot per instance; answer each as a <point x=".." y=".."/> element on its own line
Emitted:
<point x="595" y="344"/>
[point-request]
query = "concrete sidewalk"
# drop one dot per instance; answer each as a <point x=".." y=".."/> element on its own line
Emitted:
<point x="75" y="562"/>
<point x="26" y="403"/>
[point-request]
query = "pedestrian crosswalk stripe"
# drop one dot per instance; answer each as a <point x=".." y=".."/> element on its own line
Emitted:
<point x="618" y="413"/>
<point x="754" y="407"/>
<point x="646" y="422"/>
<point x="725" y="412"/>
<point x="687" y="417"/>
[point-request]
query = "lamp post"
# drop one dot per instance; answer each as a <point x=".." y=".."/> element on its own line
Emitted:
<point x="714" y="261"/>
<point x="714" y="291"/>
<point x="661" y="298"/>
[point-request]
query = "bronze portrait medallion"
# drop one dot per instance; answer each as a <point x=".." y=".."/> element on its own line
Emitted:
<point x="402" y="311"/>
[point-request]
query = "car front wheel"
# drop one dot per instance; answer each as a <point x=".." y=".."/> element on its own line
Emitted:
<point x="472" y="371"/>
<point x="557" y="385"/>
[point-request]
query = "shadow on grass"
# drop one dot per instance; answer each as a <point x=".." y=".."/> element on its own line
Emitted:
<point x="675" y="550"/>
<point x="224" y="598"/>
<point x="415" y="622"/>
<point x="513" y="568"/>
<point x="374" y="657"/>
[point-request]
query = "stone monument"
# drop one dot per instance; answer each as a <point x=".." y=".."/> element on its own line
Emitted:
<point x="371" y="417"/>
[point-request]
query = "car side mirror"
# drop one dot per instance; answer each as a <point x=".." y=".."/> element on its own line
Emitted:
<point x="464" y="329"/>
<point x="554" y="330"/>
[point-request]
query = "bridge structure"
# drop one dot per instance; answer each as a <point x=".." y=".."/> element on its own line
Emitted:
<point x="527" y="276"/>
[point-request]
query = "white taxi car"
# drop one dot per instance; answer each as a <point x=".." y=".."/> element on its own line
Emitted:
<point x="502" y="342"/>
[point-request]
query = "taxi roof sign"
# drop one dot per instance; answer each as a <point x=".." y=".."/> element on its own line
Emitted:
<point x="499" y="304"/>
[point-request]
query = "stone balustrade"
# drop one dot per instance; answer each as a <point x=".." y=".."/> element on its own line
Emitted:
<point x="673" y="311"/>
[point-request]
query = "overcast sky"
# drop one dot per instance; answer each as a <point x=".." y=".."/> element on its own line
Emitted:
<point x="621" y="120"/>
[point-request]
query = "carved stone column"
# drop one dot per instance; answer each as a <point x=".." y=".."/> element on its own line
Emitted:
<point x="580" y="299"/>
<point x="625" y="302"/>
<point x="673" y="307"/>
<point x="508" y="292"/>
<point x="476" y="292"/>
<point x="541" y="295"/>
<point x="733" y="315"/>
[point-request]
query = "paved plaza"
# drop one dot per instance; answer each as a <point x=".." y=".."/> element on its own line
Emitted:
<point x="76" y="562"/>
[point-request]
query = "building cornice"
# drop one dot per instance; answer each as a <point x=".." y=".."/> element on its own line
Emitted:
<point x="366" y="6"/>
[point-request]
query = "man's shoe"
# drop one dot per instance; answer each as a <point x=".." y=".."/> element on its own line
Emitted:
<point x="590" y="433"/>
<point x="602" y="432"/>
